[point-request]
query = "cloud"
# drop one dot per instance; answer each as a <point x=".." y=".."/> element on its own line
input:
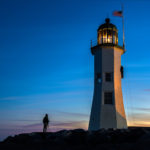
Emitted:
<point x="56" y="96"/>
<point x="79" y="82"/>
<point x="72" y="114"/>
<point x="35" y="125"/>
<point x="11" y="98"/>
<point x="140" y="124"/>
<point x="139" y="110"/>
<point x="138" y="65"/>
<point x="142" y="109"/>
<point x="147" y="90"/>
<point x="139" y="117"/>
<point x="69" y="123"/>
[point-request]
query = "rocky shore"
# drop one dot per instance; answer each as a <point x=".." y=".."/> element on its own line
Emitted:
<point x="79" y="139"/>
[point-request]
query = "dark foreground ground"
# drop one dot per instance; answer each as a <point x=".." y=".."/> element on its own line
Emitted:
<point x="78" y="139"/>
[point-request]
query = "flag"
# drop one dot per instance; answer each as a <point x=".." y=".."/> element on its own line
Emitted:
<point x="118" y="13"/>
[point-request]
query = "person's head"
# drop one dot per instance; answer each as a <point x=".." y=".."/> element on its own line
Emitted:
<point x="46" y="115"/>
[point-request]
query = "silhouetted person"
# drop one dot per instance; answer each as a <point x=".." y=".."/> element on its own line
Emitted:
<point x="45" y="123"/>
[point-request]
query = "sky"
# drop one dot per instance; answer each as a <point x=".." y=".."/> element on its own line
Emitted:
<point x="46" y="65"/>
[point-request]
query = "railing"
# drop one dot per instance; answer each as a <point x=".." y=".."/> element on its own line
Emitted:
<point x="105" y="42"/>
<point x="94" y="43"/>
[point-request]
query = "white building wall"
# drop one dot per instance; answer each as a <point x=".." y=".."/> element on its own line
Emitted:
<point x="107" y="59"/>
<point x="120" y="112"/>
<point x="94" y="123"/>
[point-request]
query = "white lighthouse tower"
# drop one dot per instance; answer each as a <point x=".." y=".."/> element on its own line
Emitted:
<point x="107" y="107"/>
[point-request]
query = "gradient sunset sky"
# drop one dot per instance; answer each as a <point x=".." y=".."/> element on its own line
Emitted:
<point x="46" y="65"/>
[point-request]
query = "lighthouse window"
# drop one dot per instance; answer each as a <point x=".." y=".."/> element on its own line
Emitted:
<point x="98" y="77"/>
<point x="104" y="36"/>
<point x="109" y="36"/>
<point x="108" y="77"/>
<point x="108" y="98"/>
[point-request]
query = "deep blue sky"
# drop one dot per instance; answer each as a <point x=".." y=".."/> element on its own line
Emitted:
<point x="46" y="65"/>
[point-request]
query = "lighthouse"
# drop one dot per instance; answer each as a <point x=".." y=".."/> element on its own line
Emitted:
<point x="107" y="106"/>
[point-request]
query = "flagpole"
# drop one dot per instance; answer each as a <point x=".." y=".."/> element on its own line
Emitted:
<point x="123" y="27"/>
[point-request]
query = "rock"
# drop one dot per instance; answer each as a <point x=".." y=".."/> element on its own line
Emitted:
<point x="79" y="139"/>
<point x="77" y="136"/>
<point x="144" y="137"/>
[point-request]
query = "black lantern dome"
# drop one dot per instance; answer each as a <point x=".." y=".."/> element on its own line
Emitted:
<point x="107" y="33"/>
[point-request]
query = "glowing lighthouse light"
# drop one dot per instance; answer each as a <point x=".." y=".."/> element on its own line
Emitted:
<point x="107" y="33"/>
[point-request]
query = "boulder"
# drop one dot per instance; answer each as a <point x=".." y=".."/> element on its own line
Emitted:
<point x="79" y="139"/>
